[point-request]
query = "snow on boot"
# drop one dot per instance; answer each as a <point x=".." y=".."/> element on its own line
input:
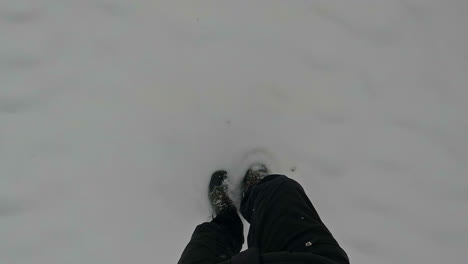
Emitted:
<point x="218" y="192"/>
<point x="254" y="175"/>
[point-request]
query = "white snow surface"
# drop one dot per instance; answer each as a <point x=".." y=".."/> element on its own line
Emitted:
<point x="114" y="114"/>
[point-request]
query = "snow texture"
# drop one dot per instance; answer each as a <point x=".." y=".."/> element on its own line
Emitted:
<point x="114" y="114"/>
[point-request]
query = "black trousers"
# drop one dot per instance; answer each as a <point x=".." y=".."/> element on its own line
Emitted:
<point x="282" y="219"/>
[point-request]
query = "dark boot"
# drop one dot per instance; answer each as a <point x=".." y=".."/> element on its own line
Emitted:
<point x="254" y="175"/>
<point x="218" y="193"/>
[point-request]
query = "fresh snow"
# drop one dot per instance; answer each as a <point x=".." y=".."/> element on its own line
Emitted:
<point x="114" y="114"/>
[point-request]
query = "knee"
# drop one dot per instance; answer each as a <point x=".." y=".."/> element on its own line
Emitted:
<point x="288" y="182"/>
<point x="273" y="178"/>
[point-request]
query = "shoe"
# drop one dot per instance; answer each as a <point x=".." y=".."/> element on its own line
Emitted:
<point x="254" y="175"/>
<point x="218" y="192"/>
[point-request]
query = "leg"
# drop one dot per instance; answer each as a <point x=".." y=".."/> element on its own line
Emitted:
<point x="282" y="218"/>
<point x="215" y="241"/>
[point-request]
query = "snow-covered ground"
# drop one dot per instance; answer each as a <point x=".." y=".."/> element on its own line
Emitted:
<point x="114" y="114"/>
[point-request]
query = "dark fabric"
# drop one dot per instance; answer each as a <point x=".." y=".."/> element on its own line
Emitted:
<point x="216" y="241"/>
<point x="282" y="218"/>
<point x="284" y="227"/>
<point x="297" y="258"/>
<point x="250" y="256"/>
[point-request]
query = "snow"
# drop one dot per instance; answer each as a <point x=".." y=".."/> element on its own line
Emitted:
<point x="114" y="114"/>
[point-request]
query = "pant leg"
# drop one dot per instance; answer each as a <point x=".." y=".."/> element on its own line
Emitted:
<point x="282" y="218"/>
<point x="215" y="241"/>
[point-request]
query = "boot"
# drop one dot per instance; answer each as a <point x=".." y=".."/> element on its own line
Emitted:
<point x="254" y="175"/>
<point x="218" y="192"/>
